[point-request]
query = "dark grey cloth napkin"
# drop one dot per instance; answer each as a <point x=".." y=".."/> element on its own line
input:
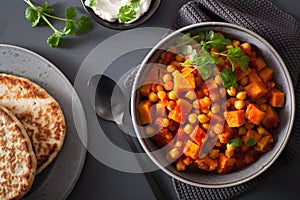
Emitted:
<point x="282" y="31"/>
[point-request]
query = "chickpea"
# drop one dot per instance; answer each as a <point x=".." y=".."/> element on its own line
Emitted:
<point x="162" y="95"/>
<point x="171" y="105"/>
<point x="171" y="68"/>
<point x="215" y="108"/>
<point x="261" y="130"/>
<point x="222" y="92"/>
<point x="246" y="47"/>
<point x="236" y="43"/>
<point x="165" y="122"/>
<point x="149" y="130"/>
<point x="153" y="97"/>
<point x="192" y="118"/>
<point x="159" y="88"/>
<point x="179" y="58"/>
<point x="218" y="128"/>
<point x="167" y="77"/>
<point x="163" y="55"/>
<point x="249" y="126"/>
<point x="241" y="95"/>
<point x="202" y="118"/>
<point x="231" y="92"/>
<point x="214" y="96"/>
<point x="180" y="166"/>
<point x="172" y="95"/>
<point x="239" y="104"/>
<point x="169" y="85"/>
<point x="173" y="153"/>
<point x="196" y="104"/>
<point x="188" y="129"/>
<point x="263" y="107"/>
<point x="188" y="161"/>
<point x="205" y="102"/>
<point x="205" y="126"/>
<point x="214" y="153"/>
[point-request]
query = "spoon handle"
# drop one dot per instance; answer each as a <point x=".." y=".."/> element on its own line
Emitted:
<point x="151" y="181"/>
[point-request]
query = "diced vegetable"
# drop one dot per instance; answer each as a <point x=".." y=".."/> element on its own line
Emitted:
<point x="264" y="144"/>
<point x="225" y="163"/>
<point x="206" y="163"/>
<point x="182" y="83"/>
<point x="235" y="118"/>
<point x="256" y="89"/>
<point x="271" y="118"/>
<point x="259" y="63"/>
<point x="145" y="89"/>
<point x="254" y="114"/>
<point x="144" y="112"/>
<point x="198" y="135"/>
<point x="254" y="77"/>
<point x="181" y="111"/>
<point x="191" y="149"/>
<point x="277" y="98"/>
<point x="266" y="74"/>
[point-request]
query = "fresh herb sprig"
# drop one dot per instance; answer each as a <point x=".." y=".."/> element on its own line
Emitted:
<point x="127" y="13"/>
<point x="204" y="61"/>
<point x="38" y="15"/>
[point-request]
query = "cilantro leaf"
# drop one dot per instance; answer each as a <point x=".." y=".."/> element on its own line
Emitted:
<point x="126" y="13"/>
<point x="205" y="63"/>
<point x="228" y="78"/>
<point x="236" y="55"/>
<point x="38" y="15"/>
<point x="33" y="16"/>
<point x="54" y="39"/>
<point x="250" y="141"/>
<point x="218" y="41"/>
<point x="93" y="3"/>
<point x="71" y="26"/>
<point x="236" y="142"/>
<point x="135" y="3"/>
<point x="84" y="24"/>
<point x="71" y="13"/>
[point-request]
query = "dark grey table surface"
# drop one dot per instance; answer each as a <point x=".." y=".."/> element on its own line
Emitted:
<point x="98" y="181"/>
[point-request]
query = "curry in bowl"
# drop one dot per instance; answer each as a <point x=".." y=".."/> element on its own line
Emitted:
<point x="211" y="102"/>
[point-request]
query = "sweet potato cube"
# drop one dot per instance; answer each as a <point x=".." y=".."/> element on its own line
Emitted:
<point x="181" y="111"/>
<point x="198" y="135"/>
<point x="144" y="112"/>
<point x="271" y="118"/>
<point x="225" y="164"/>
<point x="259" y="63"/>
<point x="277" y="98"/>
<point x="266" y="74"/>
<point x="182" y="84"/>
<point x="256" y="89"/>
<point x="254" y="114"/>
<point x="235" y="118"/>
<point x="241" y="74"/>
<point x="253" y="77"/>
<point x="191" y="149"/>
<point x="145" y="89"/>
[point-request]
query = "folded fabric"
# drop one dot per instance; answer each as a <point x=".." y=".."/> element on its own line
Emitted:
<point x="282" y="31"/>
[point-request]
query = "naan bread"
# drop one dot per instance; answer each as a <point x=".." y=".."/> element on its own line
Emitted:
<point x="17" y="159"/>
<point x="40" y="114"/>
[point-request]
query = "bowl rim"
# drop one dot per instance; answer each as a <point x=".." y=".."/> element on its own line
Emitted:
<point x="154" y="5"/>
<point x="286" y="74"/>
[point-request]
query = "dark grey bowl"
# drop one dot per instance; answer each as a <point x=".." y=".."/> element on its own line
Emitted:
<point x="121" y="26"/>
<point x="281" y="133"/>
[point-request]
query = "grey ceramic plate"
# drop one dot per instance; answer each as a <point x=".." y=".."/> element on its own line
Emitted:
<point x="59" y="178"/>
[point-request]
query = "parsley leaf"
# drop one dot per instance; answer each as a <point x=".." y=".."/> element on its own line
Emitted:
<point x="135" y="3"/>
<point x="250" y="141"/>
<point x="236" y="142"/>
<point x="38" y="15"/>
<point x="236" y="55"/>
<point x="228" y="78"/>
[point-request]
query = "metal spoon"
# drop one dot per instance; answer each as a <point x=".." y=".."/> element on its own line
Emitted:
<point x="107" y="103"/>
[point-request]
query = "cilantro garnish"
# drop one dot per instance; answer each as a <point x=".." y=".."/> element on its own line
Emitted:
<point x="38" y="15"/>
<point x="228" y="78"/>
<point x="127" y="13"/>
<point x="205" y="61"/>
<point x="250" y="141"/>
<point x="236" y="142"/>
<point x="93" y="3"/>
